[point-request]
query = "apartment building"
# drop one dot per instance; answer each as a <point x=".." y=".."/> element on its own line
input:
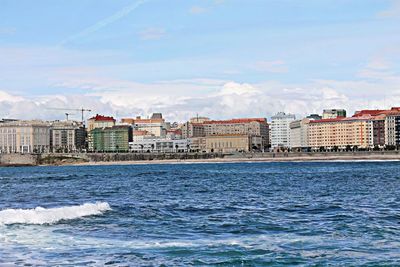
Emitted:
<point x="67" y="136"/>
<point x="392" y="129"/>
<point x="191" y="130"/>
<point x="280" y="129"/>
<point x="112" y="139"/>
<point x="341" y="133"/>
<point x="24" y="137"/>
<point x="299" y="131"/>
<point x="98" y="122"/>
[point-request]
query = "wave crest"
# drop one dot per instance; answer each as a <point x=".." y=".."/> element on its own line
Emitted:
<point x="41" y="215"/>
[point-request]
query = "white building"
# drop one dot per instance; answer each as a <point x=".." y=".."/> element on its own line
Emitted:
<point x="280" y="129"/>
<point x="158" y="144"/>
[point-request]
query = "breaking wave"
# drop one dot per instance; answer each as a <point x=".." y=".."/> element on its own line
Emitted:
<point x="41" y="215"/>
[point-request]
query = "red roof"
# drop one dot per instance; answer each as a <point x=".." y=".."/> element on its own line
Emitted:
<point x="371" y="112"/>
<point x="247" y="120"/>
<point x="376" y="112"/>
<point x="102" y="118"/>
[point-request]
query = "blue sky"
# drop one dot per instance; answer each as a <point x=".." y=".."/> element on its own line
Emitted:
<point x="219" y="58"/>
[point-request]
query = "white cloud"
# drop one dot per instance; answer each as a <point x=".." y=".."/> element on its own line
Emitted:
<point x="233" y="88"/>
<point x="152" y="34"/>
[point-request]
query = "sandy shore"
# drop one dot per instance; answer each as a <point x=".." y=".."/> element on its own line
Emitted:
<point x="238" y="160"/>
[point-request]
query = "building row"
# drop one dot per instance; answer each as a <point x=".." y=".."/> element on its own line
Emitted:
<point x="333" y="130"/>
<point x="366" y="129"/>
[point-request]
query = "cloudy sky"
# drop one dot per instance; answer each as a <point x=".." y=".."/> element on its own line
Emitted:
<point x="217" y="58"/>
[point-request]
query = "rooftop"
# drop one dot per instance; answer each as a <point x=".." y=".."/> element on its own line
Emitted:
<point x="246" y="120"/>
<point x="102" y="118"/>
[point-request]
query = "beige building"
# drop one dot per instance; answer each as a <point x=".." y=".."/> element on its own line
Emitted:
<point x="100" y="121"/>
<point x="190" y="130"/>
<point x="256" y="129"/>
<point x="299" y="131"/>
<point x="228" y="143"/>
<point x="24" y="137"/>
<point x="198" y="144"/>
<point x="341" y="132"/>
<point x="221" y="143"/>
<point x="155" y="126"/>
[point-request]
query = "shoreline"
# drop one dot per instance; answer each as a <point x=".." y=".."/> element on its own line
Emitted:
<point x="374" y="158"/>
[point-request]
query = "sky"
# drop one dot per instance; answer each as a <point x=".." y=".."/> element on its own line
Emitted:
<point x="217" y="58"/>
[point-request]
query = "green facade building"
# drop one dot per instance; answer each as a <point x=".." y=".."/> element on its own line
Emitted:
<point x="111" y="139"/>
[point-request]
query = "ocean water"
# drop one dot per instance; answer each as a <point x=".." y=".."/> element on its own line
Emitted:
<point x="231" y="214"/>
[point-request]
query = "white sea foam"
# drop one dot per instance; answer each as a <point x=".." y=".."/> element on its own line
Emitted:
<point x="41" y="215"/>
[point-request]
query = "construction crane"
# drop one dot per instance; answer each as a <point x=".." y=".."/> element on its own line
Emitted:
<point x="82" y="110"/>
<point x="68" y="114"/>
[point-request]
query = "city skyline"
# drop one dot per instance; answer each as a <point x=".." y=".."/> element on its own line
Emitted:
<point x="221" y="59"/>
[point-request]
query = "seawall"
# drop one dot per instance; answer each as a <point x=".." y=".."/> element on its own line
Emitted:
<point x="127" y="158"/>
<point x="19" y="160"/>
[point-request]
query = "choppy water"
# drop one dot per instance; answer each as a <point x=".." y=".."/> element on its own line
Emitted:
<point x="245" y="214"/>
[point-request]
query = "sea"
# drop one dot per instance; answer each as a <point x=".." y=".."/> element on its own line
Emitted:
<point x="202" y="214"/>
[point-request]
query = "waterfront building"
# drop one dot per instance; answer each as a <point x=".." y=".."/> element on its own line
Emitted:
<point x="158" y="144"/>
<point x="392" y="129"/>
<point x="341" y="133"/>
<point x="333" y="113"/>
<point x="256" y="128"/>
<point x="98" y="122"/>
<point x="386" y="126"/>
<point x="198" y="144"/>
<point x="112" y="139"/>
<point x="378" y="131"/>
<point x="280" y="129"/>
<point x="24" y="137"/>
<point x="228" y="143"/>
<point x="299" y="134"/>
<point x="67" y="136"/>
